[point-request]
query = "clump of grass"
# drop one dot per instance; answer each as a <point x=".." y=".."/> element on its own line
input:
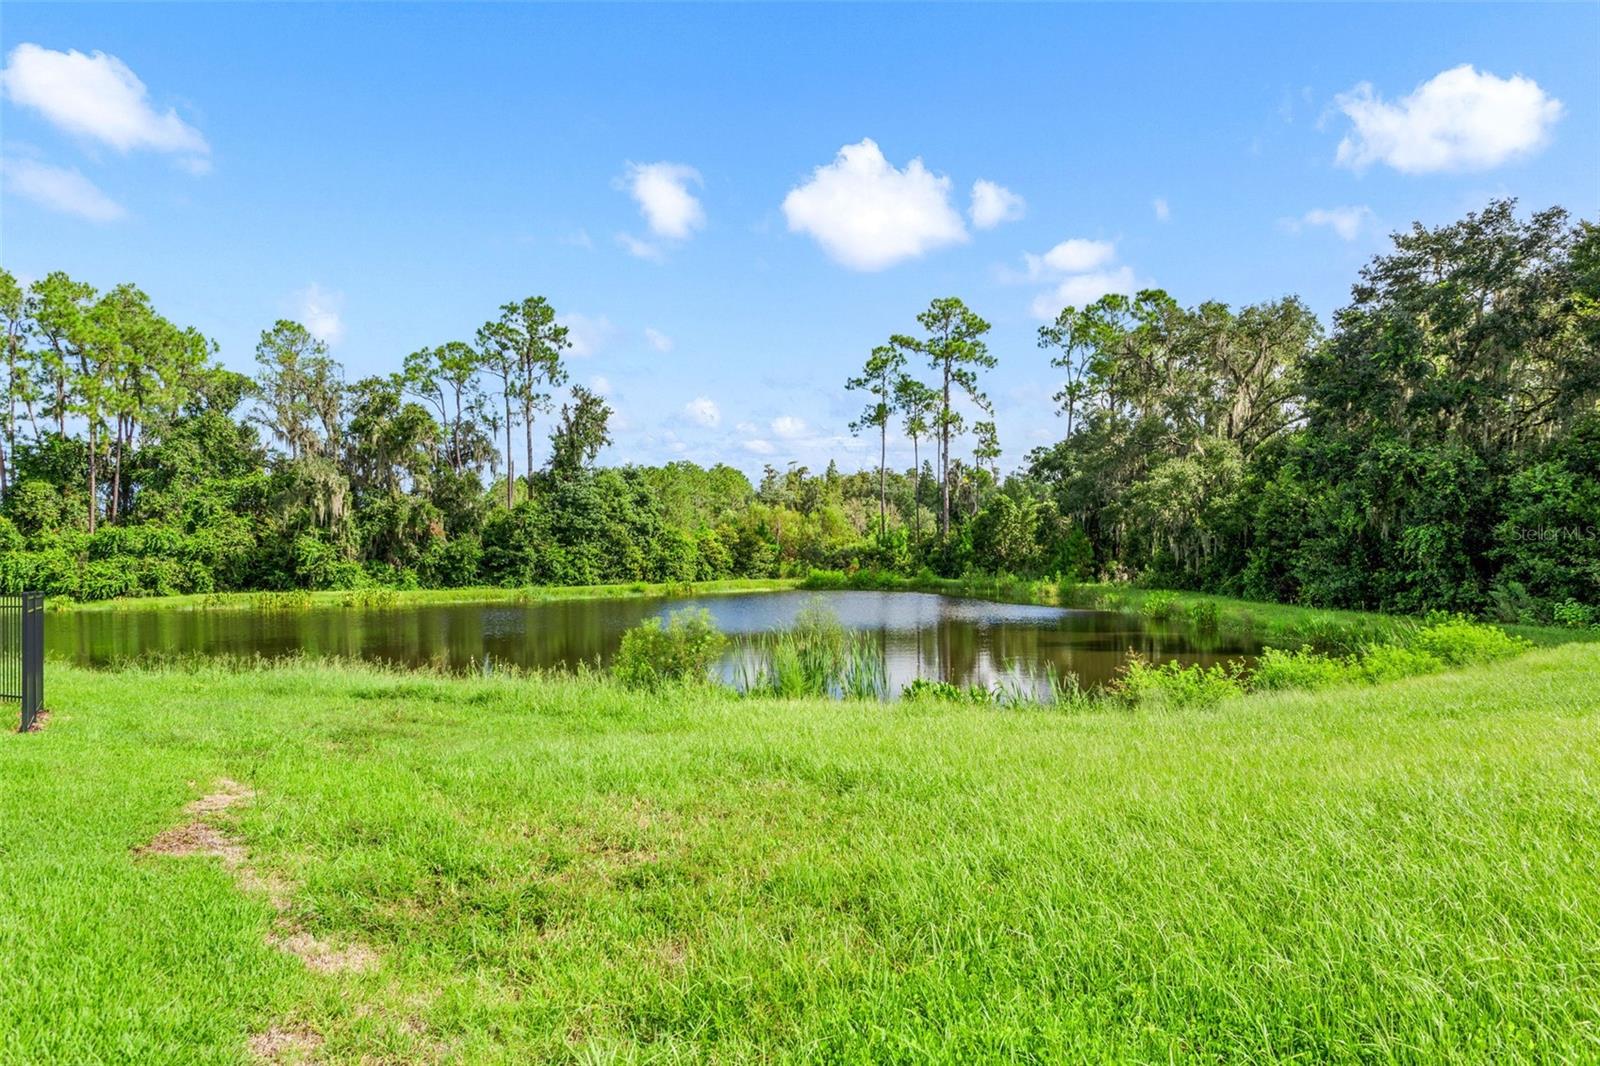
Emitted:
<point x="1163" y="606"/>
<point x="681" y="652"/>
<point x="369" y="598"/>
<point x="1459" y="641"/>
<point x="287" y="600"/>
<point x="817" y="656"/>
<point x="1443" y="641"/>
<point x="1173" y="685"/>
<point x="1204" y="615"/>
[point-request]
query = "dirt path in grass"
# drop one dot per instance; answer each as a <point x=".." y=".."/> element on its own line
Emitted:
<point x="208" y="833"/>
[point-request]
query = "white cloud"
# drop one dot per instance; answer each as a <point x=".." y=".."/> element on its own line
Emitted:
<point x="586" y="334"/>
<point x="98" y="97"/>
<point x="788" y="427"/>
<point x="993" y="204"/>
<point x="867" y="215"/>
<point x="1079" y="271"/>
<point x="641" y="249"/>
<point x="1162" y="209"/>
<point x="758" y="446"/>
<point x="1347" y="222"/>
<point x="1460" y="119"/>
<point x="60" y="189"/>
<point x="657" y="340"/>
<point x="319" y="311"/>
<point x="1075" y="256"/>
<point x="1080" y="290"/>
<point x="662" y="192"/>
<point x="600" y="385"/>
<point x="703" y="410"/>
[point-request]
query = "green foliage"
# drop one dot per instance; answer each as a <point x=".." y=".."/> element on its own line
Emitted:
<point x="1174" y="685"/>
<point x="817" y="656"/>
<point x="680" y="652"/>
<point x="1276" y="670"/>
<point x="1163" y="606"/>
<point x="927" y="689"/>
<point x="1203" y="614"/>
<point x="288" y="600"/>
<point x="1458" y="641"/>
<point x="1575" y="615"/>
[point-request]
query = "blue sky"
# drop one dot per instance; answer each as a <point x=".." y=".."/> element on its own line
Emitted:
<point x="671" y="178"/>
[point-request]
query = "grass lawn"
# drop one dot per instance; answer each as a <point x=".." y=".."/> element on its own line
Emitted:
<point x="494" y="870"/>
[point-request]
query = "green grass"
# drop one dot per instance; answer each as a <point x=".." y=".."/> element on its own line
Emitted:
<point x="559" y="870"/>
<point x="481" y="594"/>
<point x="1279" y="624"/>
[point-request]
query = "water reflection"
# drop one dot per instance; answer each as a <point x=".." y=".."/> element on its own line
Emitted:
<point x="922" y="635"/>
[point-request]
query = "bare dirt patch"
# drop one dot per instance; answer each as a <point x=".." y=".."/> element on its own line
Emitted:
<point x="208" y="835"/>
<point x="196" y="838"/>
<point x="227" y="793"/>
<point x="321" y="956"/>
<point x="284" y="1045"/>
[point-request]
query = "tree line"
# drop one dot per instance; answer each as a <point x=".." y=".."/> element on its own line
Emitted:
<point x="1437" y="447"/>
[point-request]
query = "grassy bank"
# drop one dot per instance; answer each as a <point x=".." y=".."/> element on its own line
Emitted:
<point x="1273" y="623"/>
<point x="503" y="870"/>
<point x="404" y="597"/>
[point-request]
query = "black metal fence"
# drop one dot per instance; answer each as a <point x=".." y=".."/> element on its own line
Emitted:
<point x="22" y="652"/>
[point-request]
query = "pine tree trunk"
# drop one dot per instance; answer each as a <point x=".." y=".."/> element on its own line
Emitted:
<point x="511" y="477"/>
<point x="944" y="461"/>
<point x="92" y="472"/>
<point x="883" y="482"/>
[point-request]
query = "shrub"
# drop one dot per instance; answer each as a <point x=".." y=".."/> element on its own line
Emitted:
<point x="682" y="651"/>
<point x="1174" y="685"/>
<point x="1162" y="606"/>
<point x="1277" y="670"/>
<point x="1390" y="662"/>
<point x="1574" y="615"/>
<point x="924" y="689"/>
<point x="1458" y="641"/>
<point x="290" y="600"/>
<point x="371" y="598"/>
<point x="1204" y="615"/>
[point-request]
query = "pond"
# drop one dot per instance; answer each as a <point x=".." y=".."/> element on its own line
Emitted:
<point x="944" y="638"/>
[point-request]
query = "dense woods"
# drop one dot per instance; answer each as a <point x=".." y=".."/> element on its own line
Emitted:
<point x="1437" y="447"/>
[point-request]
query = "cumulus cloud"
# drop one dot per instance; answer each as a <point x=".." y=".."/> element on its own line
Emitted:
<point x="757" y="446"/>
<point x="1075" y="256"/>
<point x="61" y="189"/>
<point x="1461" y="119"/>
<point x="1347" y="222"/>
<point x="1079" y="272"/>
<point x="586" y="334"/>
<point x="788" y="427"/>
<point x="662" y="192"/>
<point x="657" y="340"/>
<point x="867" y="214"/>
<point x="1162" y="209"/>
<point x="97" y="97"/>
<point x="704" y="410"/>
<point x="993" y="204"/>
<point x="320" y="311"/>
<point x="1080" y="290"/>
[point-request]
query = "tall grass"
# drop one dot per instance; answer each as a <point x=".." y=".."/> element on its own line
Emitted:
<point x="816" y="656"/>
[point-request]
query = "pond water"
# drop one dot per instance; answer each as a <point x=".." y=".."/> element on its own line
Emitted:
<point x="922" y="635"/>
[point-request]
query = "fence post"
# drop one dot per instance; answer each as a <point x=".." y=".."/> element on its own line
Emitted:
<point x="32" y="657"/>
